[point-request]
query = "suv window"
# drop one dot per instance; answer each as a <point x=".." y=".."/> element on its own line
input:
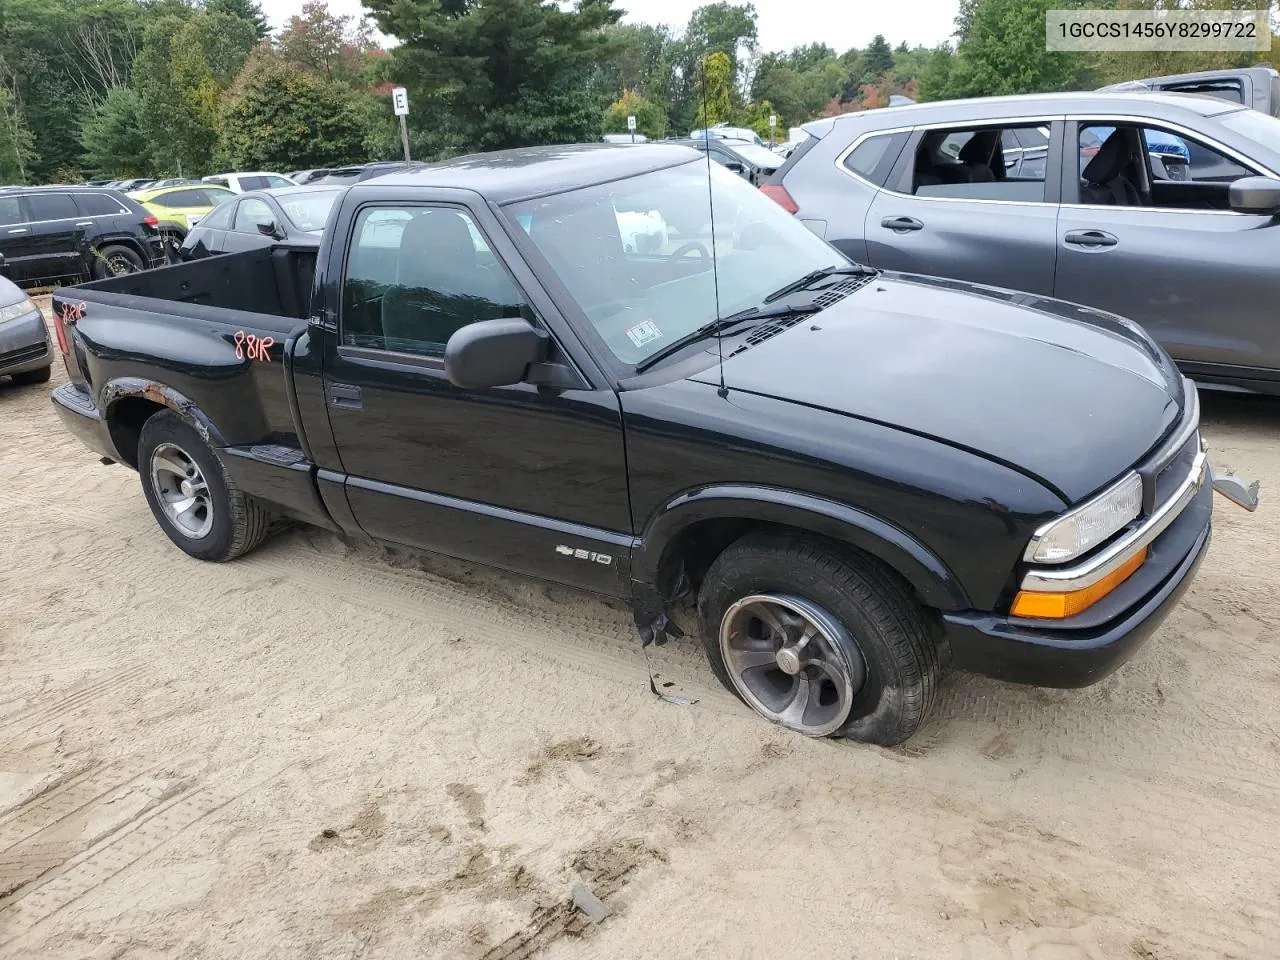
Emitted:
<point x="219" y="181"/>
<point x="252" y="183"/>
<point x="867" y="155"/>
<point x="277" y="182"/>
<point x="971" y="164"/>
<point x="51" y="206"/>
<point x="251" y="213"/>
<point x="415" y="275"/>
<point x="97" y="205"/>
<point x="11" y="211"/>
<point x="1183" y="173"/>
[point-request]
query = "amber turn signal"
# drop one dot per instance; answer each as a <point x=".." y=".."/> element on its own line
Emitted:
<point x="1059" y="606"/>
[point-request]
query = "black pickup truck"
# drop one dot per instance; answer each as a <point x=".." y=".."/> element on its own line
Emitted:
<point x="860" y="477"/>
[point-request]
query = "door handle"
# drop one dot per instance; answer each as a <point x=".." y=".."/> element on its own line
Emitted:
<point x="344" y="396"/>
<point x="1090" y="238"/>
<point x="901" y="224"/>
<point x="85" y="223"/>
<point x="19" y="230"/>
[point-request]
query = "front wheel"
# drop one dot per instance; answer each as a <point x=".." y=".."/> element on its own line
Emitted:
<point x="819" y="638"/>
<point x="192" y="498"/>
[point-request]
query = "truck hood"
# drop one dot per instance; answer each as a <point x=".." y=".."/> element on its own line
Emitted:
<point x="1069" y="396"/>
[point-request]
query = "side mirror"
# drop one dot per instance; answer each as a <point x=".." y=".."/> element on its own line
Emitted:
<point x="493" y="353"/>
<point x="1254" y="195"/>
<point x="735" y="167"/>
<point x="269" y="229"/>
<point x="4" y="266"/>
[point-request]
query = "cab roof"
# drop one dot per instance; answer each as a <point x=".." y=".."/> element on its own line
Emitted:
<point x="505" y="176"/>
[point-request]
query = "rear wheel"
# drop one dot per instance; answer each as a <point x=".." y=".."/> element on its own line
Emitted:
<point x="819" y="639"/>
<point x="194" y="501"/>
<point x="116" y="261"/>
<point x="33" y="376"/>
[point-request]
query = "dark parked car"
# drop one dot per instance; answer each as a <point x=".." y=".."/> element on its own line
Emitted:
<point x="1081" y="214"/>
<point x="25" y="353"/>
<point x="301" y="177"/>
<point x="261" y="218"/>
<point x="367" y="171"/>
<point x="63" y="234"/>
<point x="753" y="162"/>
<point x="858" y="475"/>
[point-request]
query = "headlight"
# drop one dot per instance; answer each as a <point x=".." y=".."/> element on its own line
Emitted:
<point x="1088" y="525"/>
<point x="15" y="310"/>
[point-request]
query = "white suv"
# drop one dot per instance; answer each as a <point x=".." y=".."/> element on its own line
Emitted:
<point x="258" y="180"/>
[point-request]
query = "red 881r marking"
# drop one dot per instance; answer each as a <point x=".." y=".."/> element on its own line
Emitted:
<point x="252" y="346"/>
<point x="71" y="312"/>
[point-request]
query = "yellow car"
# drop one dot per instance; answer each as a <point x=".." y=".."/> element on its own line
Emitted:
<point x="179" y="207"/>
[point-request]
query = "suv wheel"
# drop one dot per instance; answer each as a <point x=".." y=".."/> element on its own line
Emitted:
<point x="819" y="638"/>
<point x="116" y="261"/>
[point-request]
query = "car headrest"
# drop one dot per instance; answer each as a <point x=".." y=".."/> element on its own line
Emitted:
<point x="1110" y="160"/>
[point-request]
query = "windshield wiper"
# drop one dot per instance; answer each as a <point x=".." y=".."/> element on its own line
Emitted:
<point x="850" y="269"/>
<point x="721" y="324"/>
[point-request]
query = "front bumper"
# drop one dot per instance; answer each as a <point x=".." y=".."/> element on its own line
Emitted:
<point x="81" y="418"/>
<point x="1081" y="651"/>
<point x="24" y="345"/>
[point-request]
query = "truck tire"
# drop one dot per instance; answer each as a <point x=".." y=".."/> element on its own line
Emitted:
<point x="868" y="671"/>
<point x="33" y="376"/>
<point x="116" y="260"/>
<point x="196" y="504"/>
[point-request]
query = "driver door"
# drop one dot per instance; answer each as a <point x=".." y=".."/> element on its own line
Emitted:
<point x="527" y="478"/>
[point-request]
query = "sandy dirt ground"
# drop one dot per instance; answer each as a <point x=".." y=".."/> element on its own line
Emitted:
<point x="325" y="750"/>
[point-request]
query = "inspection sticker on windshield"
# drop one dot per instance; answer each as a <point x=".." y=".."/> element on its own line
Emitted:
<point x="643" y="333"/>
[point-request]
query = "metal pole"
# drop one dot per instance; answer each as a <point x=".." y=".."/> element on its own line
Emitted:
<point x="404" y="137"/>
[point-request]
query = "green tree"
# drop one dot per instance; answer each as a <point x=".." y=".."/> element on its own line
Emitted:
<point x="249" y="10"/>
<point x="114" y="144"/>
<point x="17" y="145"/>
<point x="503" y="73"/>
<point x="1004" y="53"/>
<point x="318" y="40"/>
<point x="877" y="59"/>
<point x="720" y="27"/>
<point x="651" y="119"/>
<point x="715" y="82"/>
<point x="279" y="116"/>
<point x="935" y="78"/>
<point x="179" y="75"/>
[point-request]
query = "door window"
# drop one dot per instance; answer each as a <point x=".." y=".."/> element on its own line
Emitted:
<point x="1146" y="166"/>
<point x="11" y="212"/>
<point x="51" y="206"/>
<point x="415" y="275"/>
<point x="180" y="198"/>
<point x="971" y="164"/>
<point x="277" y="182"/>
<point x="97" y="205"/>
<point x="251" y="214"/>
<point x="252" y="183"/>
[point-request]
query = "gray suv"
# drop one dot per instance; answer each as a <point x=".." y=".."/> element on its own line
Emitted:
<point x="1064" y="195"/>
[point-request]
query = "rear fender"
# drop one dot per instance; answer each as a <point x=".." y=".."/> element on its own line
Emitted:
<point x="116" y="390"/>
<point x="655" y="561"/>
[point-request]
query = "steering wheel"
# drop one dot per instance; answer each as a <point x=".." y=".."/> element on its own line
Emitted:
<point x="689" y="247"/>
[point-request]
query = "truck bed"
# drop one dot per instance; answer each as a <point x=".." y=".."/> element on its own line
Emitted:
<point x="274" y="281"/>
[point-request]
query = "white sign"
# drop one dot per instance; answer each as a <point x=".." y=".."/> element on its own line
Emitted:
<point x="400" y="101"/>
<point x="631" y="124"/>
<point x="773" y="119"/>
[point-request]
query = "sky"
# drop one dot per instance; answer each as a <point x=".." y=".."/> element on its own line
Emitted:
<point x="781" y="24"/>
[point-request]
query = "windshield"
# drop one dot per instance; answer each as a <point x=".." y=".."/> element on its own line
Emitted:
<point x="1260" y="127"/>
<point x="308" y="211"/>
<point x="760" y="156"/>
<point x="636" y="254"/>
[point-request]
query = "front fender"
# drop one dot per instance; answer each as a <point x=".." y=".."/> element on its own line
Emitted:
<point x="122" y="387"/>
<point x="935" y="583"/>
